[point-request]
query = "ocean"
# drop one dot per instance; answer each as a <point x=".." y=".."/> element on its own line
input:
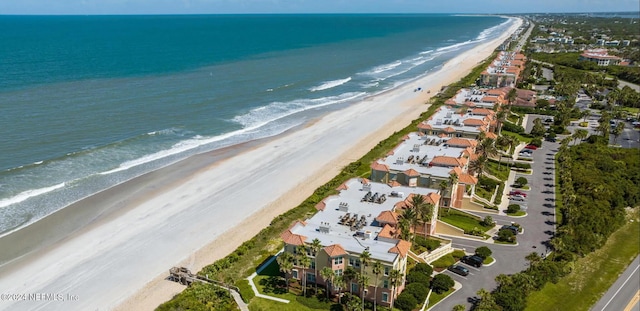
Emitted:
<point x="89" y="102"/>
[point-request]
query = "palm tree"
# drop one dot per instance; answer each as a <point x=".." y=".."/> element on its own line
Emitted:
<point x="617" y="131"/>
<point x="478" y="165"/>
<point x="511" y="97"/>
<point x="363" y="281"/>
<point x="338" y="286"/>
<point x="453" y="181"/>
<point x="304" y="262"/>
<point x="426" y="214"/>
<point x="315" y="247"/>
<point x="417" y="201"/>
<point x="377" y="269"/>
<point x="579" y="134"/>
<point x="285" y="261"/>
<point x="349" y="275"/>
<point x="365" y="259"/>
<point x="328" y="275"/>
<point x="404" y="224"/>
<point x="443" y="187"/>
<point x="411" y="217"/>
<point x="395" y="278"/>
<point x="501" y="116"/>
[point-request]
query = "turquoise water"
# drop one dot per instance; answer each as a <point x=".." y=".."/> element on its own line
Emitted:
<point x="90" y="101"/>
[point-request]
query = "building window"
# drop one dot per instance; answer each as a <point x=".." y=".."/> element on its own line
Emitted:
<point x="339" y="272"/>
<point x="294" y="274"/>
<point x="386" y="271"/>
<point x="337" y="260"/>
<point x="354" y="287"/>
<point x="352" y="261"/>
<point x="385" y="297"/>
<point x="311" y="277"/>
<point x="313" y="264"/>
<point x="385" y="284"/>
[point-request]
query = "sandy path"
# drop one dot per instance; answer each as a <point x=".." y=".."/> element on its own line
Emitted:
<point x="119" y="262"/>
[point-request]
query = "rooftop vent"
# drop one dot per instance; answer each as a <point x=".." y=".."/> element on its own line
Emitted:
<point x="343" y="207"/>
<point x="324" y="227"/>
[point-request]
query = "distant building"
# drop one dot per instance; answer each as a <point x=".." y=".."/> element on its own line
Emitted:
<point x="601" y="57"/>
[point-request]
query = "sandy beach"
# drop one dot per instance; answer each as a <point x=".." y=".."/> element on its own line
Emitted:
<point x="199" y="210"/>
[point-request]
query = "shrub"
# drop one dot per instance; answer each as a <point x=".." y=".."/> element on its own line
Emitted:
<point x="405" y="301"/>
<point x="487" y="221"/>
<point x="521" y="181"/>
<point x="419" y="291"/>
<point x="513" y="208"/>
<point x="429" y="244"/>
<point x="511" y="127"/>
<point x="506" y="235"/>
<point x="538" y="141"/>
<point x="483" y="252"/>
<point x="457" y="254"/>
<point x="424" y="268"/>
<point x="246" y="292"/>
<point x="417" y="277"/>
<point x="444" y="261"/>
<point x="441" y="283"/>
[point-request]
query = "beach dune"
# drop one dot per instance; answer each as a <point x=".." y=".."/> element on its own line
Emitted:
<point x="196" y="211"/>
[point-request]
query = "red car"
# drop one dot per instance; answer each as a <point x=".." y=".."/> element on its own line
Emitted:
<point x="532" y="147"/>
<point x="518" y="192"/>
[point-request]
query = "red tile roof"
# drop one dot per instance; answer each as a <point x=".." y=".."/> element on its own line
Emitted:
<point x="402" y="248"/>
<point x="394" y="183"/>
<point x="473" y="122"/>
<point x="379" y="167"/>
<point x="467" y="179"/>
<point x="292" y="239"/>
<point x="343" y="186"/>
<point x="388" y="217"/>
<point x="449" y="129"/>
<point x="481" y="111"/>
<point x="387" y="232"/>
<point x="335" y="250"/>
<point x="448" y="161"/>
<point x="411" y="172"/>
<point x="424" y="126"/>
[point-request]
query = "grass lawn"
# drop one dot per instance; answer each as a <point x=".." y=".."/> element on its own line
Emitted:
<point x="435" y="298"/>
<point x="502" y="172"/>
<point x="592" y="275"/>
<point x="518" y="213"/>
<point x="488" y="260"/>
<point x="516" y="135"/>
<point x="464" y="221"/>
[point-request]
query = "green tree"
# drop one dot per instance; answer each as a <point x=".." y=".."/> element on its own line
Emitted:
<point x="349" y="276"/>
<point x="538" y="129"/>
<point x="617" y="131"/>
<point x="483" y="252"/>
<point x="458" y="308"/>
<point x="521" y="181"/>
<point x="315" y="247"/>
<point x="395" y="279"/>
<point x="441" y="283"/>
<point x="363" y="282"/>
<point x="304" y="262"/>
<point x="377" y="270"/>
<point x="486" y="302"/>
<point x="579" y="134"/>
<point x="478" y="165"/>
<point x="285" y="262"/>
<point x="327" y="275"/>
<point x="411" y="216"/>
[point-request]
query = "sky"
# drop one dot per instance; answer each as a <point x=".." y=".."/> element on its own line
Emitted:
<point x="91" y="7"/>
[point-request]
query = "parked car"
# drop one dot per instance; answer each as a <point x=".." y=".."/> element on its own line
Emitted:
<point x="474" y="260"/>
<point x="551" y="139"/>
<point x="457" y="269"/>
<point x="513" y="229"/>
<point x="518" y="192"/>
<point x="517" y="197"/>
<point x="531" y="147"/>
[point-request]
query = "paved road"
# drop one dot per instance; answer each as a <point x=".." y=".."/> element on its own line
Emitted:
<point x="622" y="294"/>
<point x="539" y="227"/>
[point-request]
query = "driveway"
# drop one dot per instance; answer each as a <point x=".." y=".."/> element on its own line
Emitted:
<point x="539" y="227"/>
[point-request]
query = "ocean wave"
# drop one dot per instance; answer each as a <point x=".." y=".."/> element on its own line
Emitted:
<point x="29" y="194"/>
<point x="274" y="111"/>
<point x="487" y="32"/>
<point x="330" y="84"/>
<point x="382" y="68"/>
<point x="426" y="52"/>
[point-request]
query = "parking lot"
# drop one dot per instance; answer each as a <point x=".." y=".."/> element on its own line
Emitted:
<point x="539" y="226"/>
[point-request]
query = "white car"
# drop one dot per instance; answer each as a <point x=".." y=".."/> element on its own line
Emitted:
<point x="517" y="197"/>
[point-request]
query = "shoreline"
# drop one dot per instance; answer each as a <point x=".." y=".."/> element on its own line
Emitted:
<point x="138" y="215"/>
